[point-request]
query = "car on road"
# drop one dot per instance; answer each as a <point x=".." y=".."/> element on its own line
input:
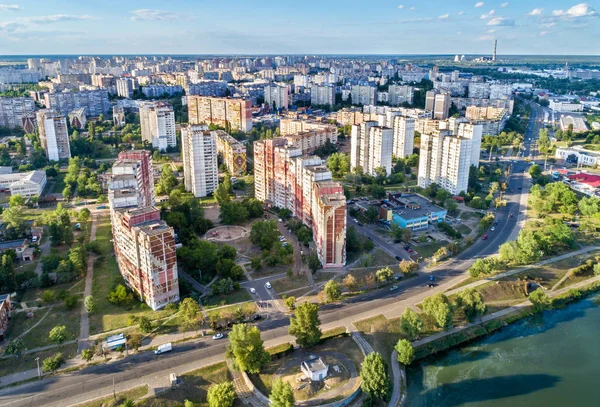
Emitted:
<point x="268" y="285"/>
<point x="431" y="278"/>
<point x="218" y="336"/>
<point x="394" y="288"/>
<point x="280" y="220"/>
<point x="360" y="223"/>
<point x="493" y="228"/>
<point x="484" y="237"/>
<point x="410" y="250"/>
<point x="496" y="222"/>
<point x="511" y="215"/>
<point x="398" y="258"/>
<point x="253" y="290"/>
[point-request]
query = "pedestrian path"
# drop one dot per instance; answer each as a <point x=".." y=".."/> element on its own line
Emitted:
<point x="84" y="325"/>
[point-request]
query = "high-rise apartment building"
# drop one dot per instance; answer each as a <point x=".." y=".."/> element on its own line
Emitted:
<point x="371" y="147"/>
<point x="399" y="94"/>
<point x="277" y="95"/>
<point x="322" y="95"/>
<point x="303" y="184"/>
<point x="199" y="151"/>
<point x="12" y="111"/>
<point x="232" y="152"/>
<point x="146" y="254"/>
<point x="95" y="101"/>
<point x="157" y="124"/>
<point x="404" y="136"/>
<point x="442" y="106"/>
<point x="144" y="245"/>
<point x="54" y="135"/>
<point x="445" y="160"/>
<point x="364" y="94"/>
<point x="125" y="87"/>
<point x="234" y="114"/>
<point x="474" y="133"/>
<point x="119" y="116"/>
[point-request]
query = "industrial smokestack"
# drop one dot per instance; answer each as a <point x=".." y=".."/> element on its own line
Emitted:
<point x="495" y="45"/>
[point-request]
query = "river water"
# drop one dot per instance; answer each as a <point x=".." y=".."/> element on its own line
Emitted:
<point x="552" y="359"/>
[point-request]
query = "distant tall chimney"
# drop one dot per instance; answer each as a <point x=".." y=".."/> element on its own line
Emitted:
<point x="495" y="45"/>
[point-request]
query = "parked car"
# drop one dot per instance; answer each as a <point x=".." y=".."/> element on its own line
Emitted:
<point x="398" y="258"/>
<point x="218" y="336"/>
<point x="493" y="228"/>
<point x="268" y="285"/>
<point x="484" y="237"/>
<point x="253" y="290"/>
<point x="410" y="250"/>
<point x="511" y="215"/>
<point x="393" y="288"/>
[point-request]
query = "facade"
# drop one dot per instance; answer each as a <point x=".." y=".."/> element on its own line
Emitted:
<point x="13" y="110"/>
<point x="232" y="152"/>
<point x="413" y="211"/>
<point x="500" y="91"/>
<point x="146" y="254"/>
<point x="199" y="151"/>
<point x="125" y="87"/>
<point x="157" y="91"/>
<point x="295" y="126"/>
<point x="94" y="101"/>
<point x="235" y="114"/>
<point x="404" y="136"/>
<point x="54" y="135"/>
<point x="131" y="183"/>
<point x="277" y="95"/>
<point x="364" y="95"/>
<point x="157" y="124"/>
<point x="445" y="160"/>
<point x="322" y="95"/>
<point x="284" y="178"/>
<point x="474" y="132"/>
<point x="565" y="106"/>
<point x="77" y="118"/>
<point x="119" y="116"/>
<point x="314" y="369"/>
<point x="207" y="88"/>
<point x="26" y="184"/>
<point x="399" y="94"/>
<point x="371" y="147"/>
<point x="438" y="103"/>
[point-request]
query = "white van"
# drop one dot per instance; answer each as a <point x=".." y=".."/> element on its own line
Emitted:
<point x="165" y="347"/>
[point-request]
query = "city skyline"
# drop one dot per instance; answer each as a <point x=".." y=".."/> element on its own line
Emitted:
<point x="237" y="27"/>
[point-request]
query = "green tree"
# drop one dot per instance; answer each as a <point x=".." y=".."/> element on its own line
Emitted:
<point x="282" y="394"/>
<point x="14" y="347"/>
<point x="540" y="300"/>
<point x="264" y="234"/>
<point x="120" y="296"/>
<point x="350" y="282"/>
<point x="16" y="201"/>
<point x="384" y="275"/>
<point x="52" y="363"/>
<point x="304" y="325"/>
<point x="372" y="214"/>
<point x="411" y="324"/>
<point x="438" y="307"/>
<point x="145" y="324"/>
<point x="134" y="340"/>
<point x="83" y="215"/>
<point x="408" y="267"/>
<point x="375" y="379"/>
<point x="167" y="181"/>
<point x="221" y="194"/>
<point x="314" y="263"/>
<point x="246" y="348"/>
<point x="406" y="352"/>
<point x="535" y="171"/>
<point x="58" y="334"/>
<point x="221" y="395"/>
<point x="87" y="354"/>
<point x="189" y="310"/>
<point x="471" y="302"/>
<point x="333" y="291"/>
<point x="290" y="302"/>
<point x="89" y="304"/>
<point x="14" y="218"/>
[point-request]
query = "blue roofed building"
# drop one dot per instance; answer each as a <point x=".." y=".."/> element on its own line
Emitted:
<point x="411" y="211"/>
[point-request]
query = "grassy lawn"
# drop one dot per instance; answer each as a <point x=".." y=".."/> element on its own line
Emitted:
<point x="382" y="258"/>
<point x="322" y="276"/>
<point x="194" y="387"/>
<point x="59" y="183"/>
<point x="132" y="394"/>
<point x="248" y="308"/>
<point x="382" y="333"/>
<point x="33" y="294"/>
<point x="240" y="295"/>
<point x="27" y="362"/>
<point x="286" y="284"/>
<point x="464" y="229"/>
<point x="106" y="275"/>
<point x="265" y="271"/>
<point x="36" y="214"/>
<point x="427" y="250"/>
<point x="503" y="291"/>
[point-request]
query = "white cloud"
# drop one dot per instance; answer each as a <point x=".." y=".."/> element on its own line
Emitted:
<point x="9" y="26"/>
<point x="460" y="13"/>
<point x="480" y="4"/>
<point x="56" y="18"/>
<point x="146" y="14"/>
<point x="444" y="16"/>
<point x="493" y="30"/>
<point x="401" y="6"/>
<point x="501" y="21"/>
<point x="488" y="15"/>
<point x="504" y="5"/>
<point x="579" y="10"/>
<point x="543" y="33"/>
<point x="413" y="8"/>
<point x="548" y="25"/>
<point x="487" y="37"/>
<point x="536" y="12"/>
<point x="13" y="7"/>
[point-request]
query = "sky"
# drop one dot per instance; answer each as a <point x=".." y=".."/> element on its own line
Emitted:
<point x="549" y="27"/>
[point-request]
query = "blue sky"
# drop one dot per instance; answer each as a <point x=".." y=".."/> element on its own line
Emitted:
<point x="559" y="27"/>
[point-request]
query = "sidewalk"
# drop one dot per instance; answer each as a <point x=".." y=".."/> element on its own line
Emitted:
<point x="84" y="325"/>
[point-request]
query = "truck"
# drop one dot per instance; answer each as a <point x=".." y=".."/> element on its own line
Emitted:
<point x="165" y="347"/>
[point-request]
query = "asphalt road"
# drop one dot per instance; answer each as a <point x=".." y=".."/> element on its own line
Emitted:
<point x="55" y="391"/>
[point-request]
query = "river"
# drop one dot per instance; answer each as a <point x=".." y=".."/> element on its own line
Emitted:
<point x="552" y="359"/>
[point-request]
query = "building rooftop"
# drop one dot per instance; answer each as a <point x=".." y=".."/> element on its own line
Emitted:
<point x="314" y="364"/>
<point x="412" y="206"/>
<point x="12" y="244"/>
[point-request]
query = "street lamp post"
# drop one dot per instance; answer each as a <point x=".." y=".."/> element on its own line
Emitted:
<point x="38" y="368"/>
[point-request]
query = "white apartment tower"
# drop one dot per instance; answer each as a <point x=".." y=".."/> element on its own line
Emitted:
<point x="399" y="94"/>
<point x="473" y="132"/>
<point x="157" y="123"/>
<point x="404" y="136"/>
<point x="54" y="135"/>
<point x="322" y="95"/>
<point x="359" y="144"/>
<point x="199" y="151"/>
<point x="278" y="95"/>
<point x="380" y="149"/>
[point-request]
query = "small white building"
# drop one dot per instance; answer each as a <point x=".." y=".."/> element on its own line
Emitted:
<point x="314" y="369"/>
<point x="26" y="184"/>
